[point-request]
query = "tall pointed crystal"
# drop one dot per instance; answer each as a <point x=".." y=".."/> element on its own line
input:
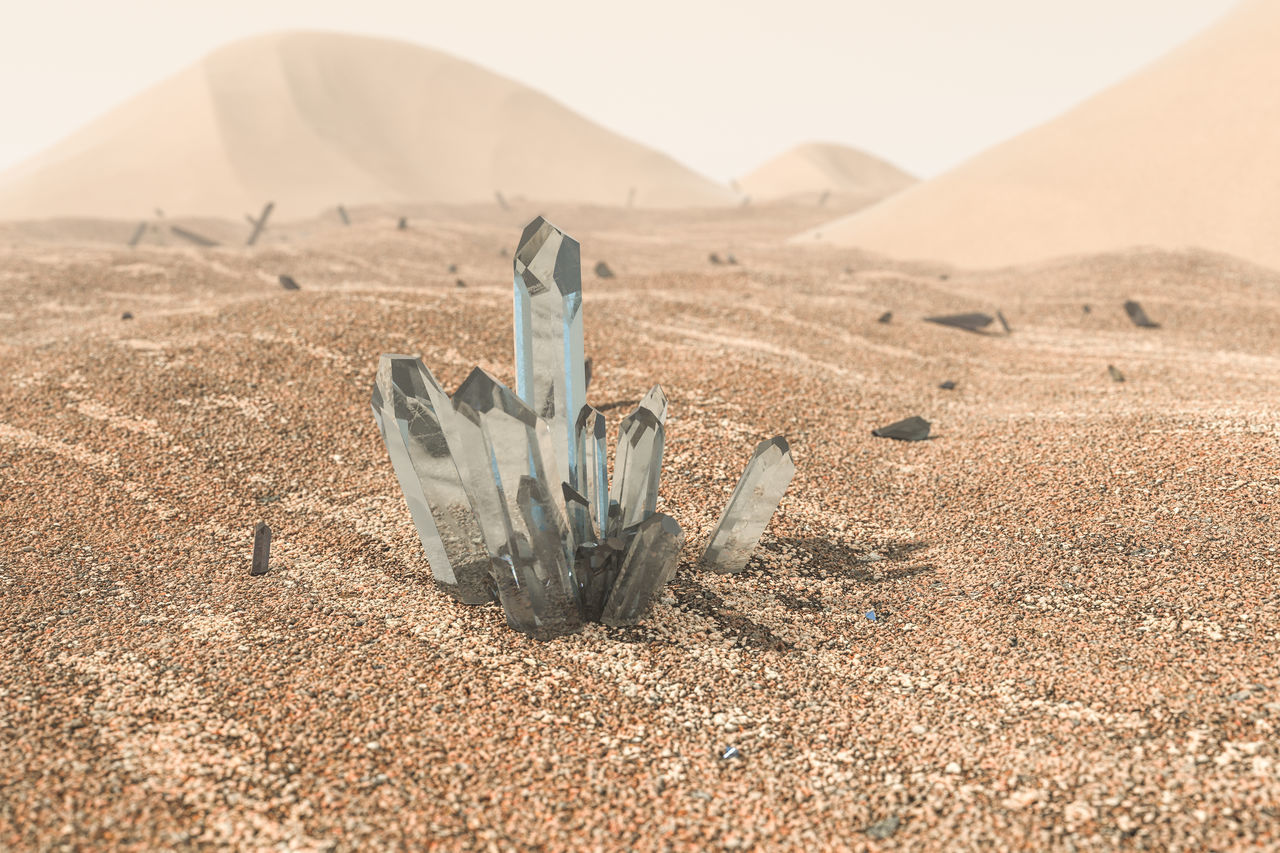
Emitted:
<point x="651" y="560"/>
<point x="656" y="402"/>
<point x="637" y="467"/>
<point x="397" y="443"/>
<point x="591" y="472"/>
<point x="752" y="504"/>
<point x="550" y="365"/>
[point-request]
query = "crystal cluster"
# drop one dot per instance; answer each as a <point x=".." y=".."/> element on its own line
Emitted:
<point x="510" y="490"/>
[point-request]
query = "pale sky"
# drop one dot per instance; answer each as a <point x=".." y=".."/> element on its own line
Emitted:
<point x="721" y="86"/>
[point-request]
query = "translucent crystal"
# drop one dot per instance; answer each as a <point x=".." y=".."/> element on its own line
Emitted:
<point x="579" y="513"/>
<point x="518" y="447"/>
<point x="591" y="472"/>
<point x="550" y="368"/>
<point x="651" y="560"/>
<point x="397" y="448"/>
<point x="423" y="419"/>
<point x="637" y="466"/>
<point x="752" y="504"/>
<point x="656" y="402"/>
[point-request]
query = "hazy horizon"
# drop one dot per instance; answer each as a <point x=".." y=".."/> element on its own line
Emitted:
<point x="930" y="84"/>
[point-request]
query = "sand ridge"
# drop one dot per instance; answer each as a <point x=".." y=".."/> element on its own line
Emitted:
<point x="1180" y="155"/>
<point x="311" y="120"/>
<point x="815" y="171"/>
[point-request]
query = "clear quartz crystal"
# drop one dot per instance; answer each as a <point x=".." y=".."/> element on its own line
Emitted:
<point x="637" y="467"/>
<point x="656" y="402"/>
<point x="591" y="474"/>
<point x="550" y="364"/>
<point x="518" y="446"/>
<point x="397" y="443"/>
<point x="752" y="504"/>
<point x="650" y="562"/>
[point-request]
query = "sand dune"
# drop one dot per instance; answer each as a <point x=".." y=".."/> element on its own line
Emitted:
<point x="311" y="120"/>
<point x="810" y="170"/>
<point x="1184" y="153"/>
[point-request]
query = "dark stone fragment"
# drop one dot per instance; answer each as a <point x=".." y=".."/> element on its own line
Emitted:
<point x="949" y="385"/>
<point x="883" y="829"/>
<point x="342" y="211"/>
<point x="1138" y="316"/>
<point x="261" y="549"/>
<point x="1003" y="322"/>
<point x="1088" y="309"/>
<point x="886" y="317"/>
<point x="731" y="260"/>
<point x="714" y="258"/>
<point x="192" y="236"/>
<point x="403" y="224"/>
<point x="459" y="283"/>
<point x="1116" y="375"/>
<point x="911" y="429"/>
<point x="969" y="322"/>
<point x="137" y="234"/>
<point x="602" y="270"/>
<point x="288" y="283"/>
<point x="126" y="316"/>
<point x="453" y="268"/>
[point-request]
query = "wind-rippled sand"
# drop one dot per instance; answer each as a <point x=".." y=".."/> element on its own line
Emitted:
<point x="1074" y="582"/>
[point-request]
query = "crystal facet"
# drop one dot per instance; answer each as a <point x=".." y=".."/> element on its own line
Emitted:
<point x="637" y="467"/>
<point x="750" y="507"/>
<point x="550" y="369"/>
<point x="651" y="560"/>
<point x="656" y="402"/>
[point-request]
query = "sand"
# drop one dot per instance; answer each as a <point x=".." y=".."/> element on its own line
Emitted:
<point x="1182" y="154"/>
<point x="827" y="173"/>
<point x="313" y="120"/>
<point x="1074" y="582"/>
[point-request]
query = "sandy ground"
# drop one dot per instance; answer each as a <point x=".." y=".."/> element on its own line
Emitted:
<point x="1074" y="582"/>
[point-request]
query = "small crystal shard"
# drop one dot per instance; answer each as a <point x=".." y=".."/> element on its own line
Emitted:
<point x="591" y="472"/>
<point x="650" y="562"/>
<point x="913" y="428"/>
<point x="656" y="402"/>
<point x="550" y="369"/>
<point x="968" y="322"/>
<point x="750" y="507"/>
<point x="1004" y="322"/>
<point x="1138" y="316"/>
<point x="637" y="467"/>
<point x="261" y="549"/>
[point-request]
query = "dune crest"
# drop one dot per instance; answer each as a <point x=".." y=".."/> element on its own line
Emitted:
<point x="314" y="119"/>
<point x="813" y="168"/>
<point x="1181" y="154"/>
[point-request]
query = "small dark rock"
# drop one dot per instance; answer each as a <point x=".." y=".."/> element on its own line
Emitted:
<point x="459" y="283"/>
<point x="602" y="270"/>
<point x="731" y="260"/>
<point x="1138" y="316"/>
<point x="403" y="224"/>
<point x="972" y="322"/>
<point x="261" y="549"/>
<point x="948" y="385"/>
<point x="914" y="428"/>
<point x="714" y="258"/>
<point x="128" y="315"/>
<point x="1004" y="322"/>
<point x="288" y="283"/>
<point x="453" y="268"/>
<point x="1116" y="375"/>
<point x="886" y="317"/>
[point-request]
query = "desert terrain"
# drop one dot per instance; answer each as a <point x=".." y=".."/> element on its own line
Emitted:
<point x="1052" y="625"/>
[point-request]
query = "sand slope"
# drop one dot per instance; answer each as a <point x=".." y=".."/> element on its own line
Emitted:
<point x="1183" y="153"/>
<point x="311" y="120"/>
<point x="813" y="168"/>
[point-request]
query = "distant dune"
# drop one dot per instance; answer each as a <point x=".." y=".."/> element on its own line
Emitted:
<point x="810" y="170"/>
<point x="1184" y="153"/>
<point x="311" y="120"/>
